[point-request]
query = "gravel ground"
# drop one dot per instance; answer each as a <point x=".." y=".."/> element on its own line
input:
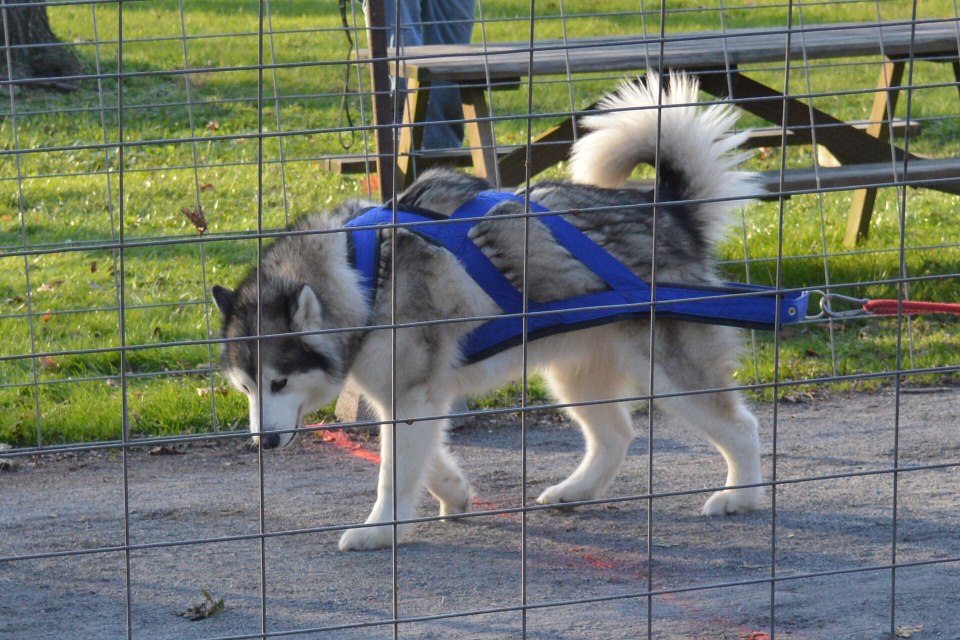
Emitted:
<point x="194" y="516"/>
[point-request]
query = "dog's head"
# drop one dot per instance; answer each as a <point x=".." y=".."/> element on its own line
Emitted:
<point x="289" y="370"/>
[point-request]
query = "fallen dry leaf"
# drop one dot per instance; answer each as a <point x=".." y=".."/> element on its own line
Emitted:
<point x="797" y="398"/>
<point x="203" y="392"/>
<point x="196" y="217"/>
<point x="908" y="631"/>
<point x="209" y="607"/>
<point x="6" y="464"/>
<point x="164" y="450"/>
<point x="50" y="286"/>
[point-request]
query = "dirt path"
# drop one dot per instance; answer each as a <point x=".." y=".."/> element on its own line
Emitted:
<point x="833" y="538"/>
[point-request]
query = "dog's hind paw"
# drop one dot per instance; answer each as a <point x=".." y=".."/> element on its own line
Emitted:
<point x="730" y="501"/>
<point x="367" y="538"/>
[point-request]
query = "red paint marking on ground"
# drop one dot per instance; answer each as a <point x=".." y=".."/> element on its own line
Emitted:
<point x="689" y="603"/>
<point x="580" y="558"/>
<point x="340" y="439"/>
<point x="486" y="505"/>
<point x="596" y="560"/>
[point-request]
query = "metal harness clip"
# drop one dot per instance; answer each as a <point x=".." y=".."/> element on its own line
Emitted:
<point x="828" y="302"/>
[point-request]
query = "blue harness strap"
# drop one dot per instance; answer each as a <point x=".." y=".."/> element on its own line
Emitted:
<point x="450" y="233"/>
<point x="741" y="305"/>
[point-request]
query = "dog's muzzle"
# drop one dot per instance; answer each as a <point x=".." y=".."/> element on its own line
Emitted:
<point x="270" y="440"/>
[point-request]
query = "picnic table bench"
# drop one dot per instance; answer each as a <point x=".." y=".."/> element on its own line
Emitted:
<point x="868" y="157"/>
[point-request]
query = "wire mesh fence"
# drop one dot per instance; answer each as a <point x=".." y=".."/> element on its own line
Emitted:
<point x="155" y="149"/>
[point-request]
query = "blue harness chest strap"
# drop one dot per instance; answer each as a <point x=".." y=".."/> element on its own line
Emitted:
<point x="628" y="295"/>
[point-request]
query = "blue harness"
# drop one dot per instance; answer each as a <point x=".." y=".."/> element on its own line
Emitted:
<point x="628" y="295"/>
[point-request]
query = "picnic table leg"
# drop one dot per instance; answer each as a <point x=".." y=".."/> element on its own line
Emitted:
<point x="479" y="126"/>
<point x="411" y="128"/>
<point x="549" y="148"/>
<point x="882" y="113"/>
<point x="846" y="142"/>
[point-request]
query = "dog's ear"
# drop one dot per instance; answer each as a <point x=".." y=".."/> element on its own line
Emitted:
<point x="305" y="312"/>
<point x="224" y="299"/>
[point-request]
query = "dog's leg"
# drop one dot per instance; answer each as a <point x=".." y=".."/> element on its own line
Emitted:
<point x="410" y="446"/>
<point x="734" y="431"/>
<point x="607" y="431"/>
<point x="448" y="485"/>
<point x="694" y="357"/>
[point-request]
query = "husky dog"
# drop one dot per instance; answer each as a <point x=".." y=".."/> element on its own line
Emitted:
<point x="324" y="330"/>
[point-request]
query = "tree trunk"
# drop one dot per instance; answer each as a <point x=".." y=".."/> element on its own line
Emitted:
<point x="34" y="54"/>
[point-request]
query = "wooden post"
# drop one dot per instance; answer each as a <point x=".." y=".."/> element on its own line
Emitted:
<point x="383" y="111"/>
<point x="350" y="407"/>
<point x="956" y="74"/>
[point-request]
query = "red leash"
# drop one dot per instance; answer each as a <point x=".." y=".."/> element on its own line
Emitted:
<point x="910" y="307"/>
<point x="859" y="308"/>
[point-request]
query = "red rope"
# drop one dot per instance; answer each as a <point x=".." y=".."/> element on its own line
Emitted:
<point x="910" y="307"/>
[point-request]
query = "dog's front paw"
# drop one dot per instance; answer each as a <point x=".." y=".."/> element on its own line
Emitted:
<point x="730" y="501"/>
<point x="462" y="505"/>
<point x="565" y="492"/>
<point x="367" y="538"/>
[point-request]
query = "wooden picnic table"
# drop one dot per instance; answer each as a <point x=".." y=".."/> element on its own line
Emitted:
<point x="717" y="58"/>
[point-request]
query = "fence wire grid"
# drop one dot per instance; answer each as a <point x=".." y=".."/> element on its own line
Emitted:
<point x="181" y="138"/>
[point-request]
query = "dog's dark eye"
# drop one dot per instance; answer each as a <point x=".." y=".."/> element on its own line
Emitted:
<point x="277" y="385"/>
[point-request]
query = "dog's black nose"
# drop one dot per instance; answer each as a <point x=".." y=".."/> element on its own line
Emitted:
<point x="270" y="440"/>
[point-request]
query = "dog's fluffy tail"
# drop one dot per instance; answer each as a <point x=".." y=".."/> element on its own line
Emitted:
<point x="641" y="122"/>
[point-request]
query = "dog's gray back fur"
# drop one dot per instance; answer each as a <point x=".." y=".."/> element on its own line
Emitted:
<point x="619" y="220"/>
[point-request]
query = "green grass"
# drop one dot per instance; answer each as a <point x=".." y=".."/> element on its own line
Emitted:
<point x="62" y="207"/>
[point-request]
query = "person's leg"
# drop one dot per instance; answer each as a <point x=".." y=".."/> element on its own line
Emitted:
<point x="445" y="22"/>
<point x="410" y="32"/>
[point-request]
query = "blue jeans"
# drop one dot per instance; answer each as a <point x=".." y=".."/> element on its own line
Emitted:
<point x="434" y="22"/>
